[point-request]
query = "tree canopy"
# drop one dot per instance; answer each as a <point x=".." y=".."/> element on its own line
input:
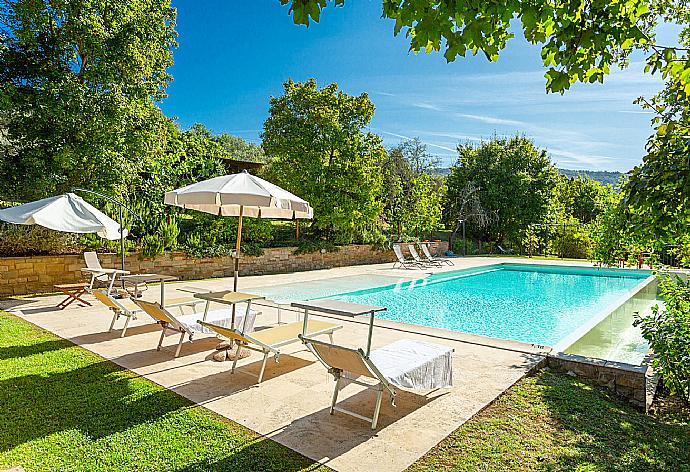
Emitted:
<point x="319" y="150"/>
<point x="515" y="182"/>
<point x="579" y="40"/>
<point x="78" y="81"/>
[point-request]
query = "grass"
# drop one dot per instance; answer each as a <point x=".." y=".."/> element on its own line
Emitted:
<point x="64" y="408"/>
<point x="553" y="422"/>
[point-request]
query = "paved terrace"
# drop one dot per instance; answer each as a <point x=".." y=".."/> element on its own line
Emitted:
<point x="291" y="406"/>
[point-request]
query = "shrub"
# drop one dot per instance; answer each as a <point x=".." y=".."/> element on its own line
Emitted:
<point x="169" y="232"/>
<point x="94" y="242"/>
<point x="34" y="240"/>
<point x="668" y="334"/>
<point x="573" y="242"/>
<point x="152" y="245"/>
<point x="307" y="247"/>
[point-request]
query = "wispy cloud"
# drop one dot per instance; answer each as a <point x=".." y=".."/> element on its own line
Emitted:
<point x="402" y="136"/>
<point x="492" y="120"/>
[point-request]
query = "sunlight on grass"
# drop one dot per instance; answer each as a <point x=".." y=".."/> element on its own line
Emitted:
<point x="65" y="408"/>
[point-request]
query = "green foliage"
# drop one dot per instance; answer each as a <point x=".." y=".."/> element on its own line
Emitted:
<point x="668" y="333"/>
<point x="152" y="245"/>
<point x="169" y="232"/>
<point x="308" y="247"/>
<point x="413" y="197"/>
<point x="78" y="81"/>
<point x="571" y="242"/>
<point x="96" y="243"/>
<point x="513" y="181"/>
<point x="320" y="152"/>
<point x="20" y="240"/>
<point x="581" y="197"/>
<point x="579" y="41"/>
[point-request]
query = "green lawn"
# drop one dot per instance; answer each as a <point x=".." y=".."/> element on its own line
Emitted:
<point x="64" y="408"/>
<point x="553" y="422"/>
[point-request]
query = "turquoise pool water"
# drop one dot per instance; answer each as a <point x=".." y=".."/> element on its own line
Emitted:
<point x="539" y="305"/>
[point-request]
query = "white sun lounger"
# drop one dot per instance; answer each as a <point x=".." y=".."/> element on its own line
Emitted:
<point x="405" y="263"/>
<point x="430" y="258"/>
<point x="416" y="258"/>
<point x="187" y="325"/>
<point x="406" y="363"/>
<point x="271" y="340"/>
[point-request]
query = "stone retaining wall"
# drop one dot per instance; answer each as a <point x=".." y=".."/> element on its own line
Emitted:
<point x="22" y="275"/>
<point x="636" y="383"/>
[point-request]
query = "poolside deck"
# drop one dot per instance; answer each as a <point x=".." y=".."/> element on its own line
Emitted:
<point x="291" y="405"/>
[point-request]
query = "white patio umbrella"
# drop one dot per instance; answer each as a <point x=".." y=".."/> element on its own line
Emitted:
<point x="240" y="195"/>
<point x="68" y="212"/>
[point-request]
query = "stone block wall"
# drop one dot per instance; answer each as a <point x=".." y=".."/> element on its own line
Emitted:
<point x="636" y="383"/>
<point x="23" y="275"/>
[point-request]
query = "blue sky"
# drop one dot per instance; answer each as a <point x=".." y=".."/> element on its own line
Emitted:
<point x="234" y="55"/>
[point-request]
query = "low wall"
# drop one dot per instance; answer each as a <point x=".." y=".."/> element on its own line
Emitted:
<point x="22" y="275"/>
<point x="636" y="383"/>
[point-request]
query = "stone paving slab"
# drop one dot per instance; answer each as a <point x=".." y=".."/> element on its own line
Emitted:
<point x="291" y="406"/>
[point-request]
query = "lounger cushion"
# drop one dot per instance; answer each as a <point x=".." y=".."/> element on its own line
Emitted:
<point x="415" y="364"/>
<point x="218" y="317"/>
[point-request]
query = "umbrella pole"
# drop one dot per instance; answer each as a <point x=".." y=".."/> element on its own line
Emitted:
<point x="237" y="249"/>
<point x="122" y="246"/>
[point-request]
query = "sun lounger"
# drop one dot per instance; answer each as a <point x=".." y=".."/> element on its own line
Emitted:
<point x="504" y="251"/>
<point x="271" y="340"/>
<point x="405" y="363"/>
<point x="98" y="273"/>
<point x="127" y="308"/>
<point x="430" y="258"/>
<point x="187" y="325"/>
<point x="405" y="263"/>
<point x="417" y="259"/>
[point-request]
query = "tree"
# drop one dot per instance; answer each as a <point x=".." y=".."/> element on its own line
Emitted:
<point x="462" y="206"/>
<point x="579" y="40"/>
<point x="319" y="151"/>
<point x="515" y="182"/>
<point x="78" y="81"/>
<point x="413" y="198"/>
<point x="581" y="197"/>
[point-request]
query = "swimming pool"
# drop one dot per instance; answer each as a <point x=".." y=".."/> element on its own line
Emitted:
<point x="539" y="305"/>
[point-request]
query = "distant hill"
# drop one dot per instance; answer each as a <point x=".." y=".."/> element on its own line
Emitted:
<point x="605" y="177"/>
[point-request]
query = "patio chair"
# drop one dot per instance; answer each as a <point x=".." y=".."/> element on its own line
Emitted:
<point x="98" y="273"/>
<point x="127" y="308"/>
<point x="405" y="363"/>
<point x="405" y="263"/>
<point x="271" y="340"/>
<point x="504" y="251"/>
<point x="187" y="325"/>
<point x="417" y="259"/>
<point x="430" y="258"/>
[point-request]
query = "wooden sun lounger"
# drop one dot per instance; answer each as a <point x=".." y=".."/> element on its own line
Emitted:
<point x="269" y="341"/>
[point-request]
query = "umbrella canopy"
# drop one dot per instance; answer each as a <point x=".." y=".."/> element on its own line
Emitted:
<point x="68" y="212"/>
<point x="240" y="194"/>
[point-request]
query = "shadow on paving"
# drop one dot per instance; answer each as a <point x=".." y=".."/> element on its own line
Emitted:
<point x="222" y="384"/>
<point x="96" y="399"/>
<point x="322" y="436"/>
